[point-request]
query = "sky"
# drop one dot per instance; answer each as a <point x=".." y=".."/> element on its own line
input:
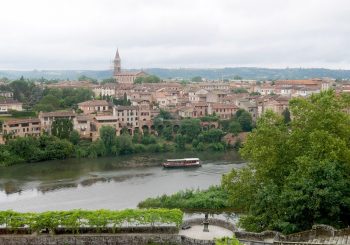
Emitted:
<point x="84" y="34"/>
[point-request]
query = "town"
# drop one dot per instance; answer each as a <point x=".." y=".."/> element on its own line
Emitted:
<point x="130" y="101"/>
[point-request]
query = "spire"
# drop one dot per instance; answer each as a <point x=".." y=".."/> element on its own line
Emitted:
<point x="117" y="55"/>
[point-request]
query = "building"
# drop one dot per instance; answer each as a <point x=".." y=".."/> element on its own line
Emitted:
<point x="123" y="76"/>
<point x="7" y="105"/>
<point x="47" y="118"/>
<point x="108" y="89"/>
<point x="95" y="106"/>
<point x="223" y="111"/>
<point x="22" y="127"/>
<point x="99" y="121"/>
<point x="82" y="124"/>
<point x="127" y="117"/>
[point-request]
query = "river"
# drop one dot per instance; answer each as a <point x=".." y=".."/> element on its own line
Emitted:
<point x="105" y="183"/>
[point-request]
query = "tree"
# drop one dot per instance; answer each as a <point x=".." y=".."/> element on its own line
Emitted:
<point x="107" y="136"/>
<point x="286" y="116"/>
<point x="74" y="137"/>
<point x="245" y="120"/>
<point x="235" y="127"/>
<point x="168" y="133"/>
<point x="298" y="174"/>
<point x="147" y="79"/>
<point x="180" y="142"/>
<point x="62" y="128"/>
<point x="197" y="79"/>
<point x="108" y="80"/>
<point x="236" y="77"/>
<point x="190" y="128"/>
<point x="239" y="91"/>
<point x="213" y="135"/>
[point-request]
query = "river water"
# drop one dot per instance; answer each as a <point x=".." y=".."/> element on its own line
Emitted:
<point x="105" y="183"/>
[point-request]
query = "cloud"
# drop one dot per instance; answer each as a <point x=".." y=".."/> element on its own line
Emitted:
<point x="84" y="34"/>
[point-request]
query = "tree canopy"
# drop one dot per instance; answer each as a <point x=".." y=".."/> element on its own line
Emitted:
<point x="298" y="173"/>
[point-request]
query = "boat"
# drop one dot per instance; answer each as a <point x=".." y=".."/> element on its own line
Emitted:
<point x="182" y="163"/>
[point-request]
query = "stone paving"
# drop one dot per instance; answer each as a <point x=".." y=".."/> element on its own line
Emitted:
<point x="196" y="232"/>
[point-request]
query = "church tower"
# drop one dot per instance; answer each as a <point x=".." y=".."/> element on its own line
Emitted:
<point x="117" y="66"/>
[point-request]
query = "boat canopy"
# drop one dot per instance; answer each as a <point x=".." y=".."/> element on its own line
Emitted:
<point x="183" y="160"/>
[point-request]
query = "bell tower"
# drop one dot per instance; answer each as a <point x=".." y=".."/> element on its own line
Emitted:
<point x="117" y="65"/>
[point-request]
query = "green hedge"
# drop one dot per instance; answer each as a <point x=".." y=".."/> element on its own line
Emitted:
<point x="98" y="219"/>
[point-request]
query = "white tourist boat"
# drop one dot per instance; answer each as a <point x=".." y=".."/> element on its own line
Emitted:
<point x="182" y="163"/>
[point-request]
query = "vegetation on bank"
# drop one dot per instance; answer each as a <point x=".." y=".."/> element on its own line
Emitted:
<point x="98" y="219"/>
<point x="299" y="171"/>
<point x="65" y="142"/>
<point x="214" y="199"/>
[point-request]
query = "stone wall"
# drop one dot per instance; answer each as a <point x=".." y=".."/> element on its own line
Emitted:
<point x="105" y="239"/>
<point x="212" y="221"/>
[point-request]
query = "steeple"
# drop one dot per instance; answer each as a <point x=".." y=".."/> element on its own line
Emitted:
<point x="117" y="65"/>
<point x="117" y="55"/>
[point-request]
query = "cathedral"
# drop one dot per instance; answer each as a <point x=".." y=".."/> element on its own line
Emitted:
<point x="125" y="76"/>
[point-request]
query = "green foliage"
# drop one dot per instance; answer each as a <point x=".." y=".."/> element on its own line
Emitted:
<point x="108" y="137"/>
<point x="86" y="78"/>
<point x="22" y="114"/>
<point x="99" y="219"/>
<point x="298" y="173"/>
<point x="57" y="99"/>
<point x="235" y="127"/>
<point x="191" y="128"/>
<point x="245" y="120"/>
<point x="29" y="149"/>
<point x="74" y="137"/>
<point x="62" y="128"/>
<point x="210" y="118"/>
<point x="180" y="142"/>
<point x="286" y="116"/>
<point x="215" y="199"/>
<point x="147" y="79"/>
<point x="239" y="91"/>
<point x="227" y="241"/>
<point x="108" y="80"/>
<point x="123" y="101"/>
<point x="197" y="79"/>
<point x="213" y="135"/>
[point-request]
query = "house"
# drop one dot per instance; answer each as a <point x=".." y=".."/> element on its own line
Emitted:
<point x="7" y="105"/>
<point x="22" y="127"/>
<point x="95" y="106"/>
<point x="47" y="118"/>
<point x="223" y="111"/>
<point x="108" y="89"/>
<point x="82" y="124"/>
<point x="99" y="121"/>
<point x="127" y="117"/>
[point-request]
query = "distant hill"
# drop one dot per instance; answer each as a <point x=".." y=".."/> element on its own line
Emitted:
<point x="184" y="73"/>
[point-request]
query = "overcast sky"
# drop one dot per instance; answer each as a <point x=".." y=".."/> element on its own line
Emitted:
<point x="84" y="34"/>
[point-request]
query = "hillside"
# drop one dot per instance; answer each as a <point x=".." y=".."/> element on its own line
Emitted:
<point x="186" y="73"/>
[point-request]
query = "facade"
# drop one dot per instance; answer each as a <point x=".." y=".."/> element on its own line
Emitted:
<point x="95" y="106"/>
<point x="10" y="104"/>
<point x="47" y="118"/>
<point x="99" y="121"/>
<point x="127" y="117"/>
<point x="223" y="111"/>
<point x="22" y="127"/>
<point x="82" y="124"/>
<point x="122" y="76"/>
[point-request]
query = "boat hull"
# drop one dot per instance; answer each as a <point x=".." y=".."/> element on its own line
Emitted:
<point x="192" y="165"/>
